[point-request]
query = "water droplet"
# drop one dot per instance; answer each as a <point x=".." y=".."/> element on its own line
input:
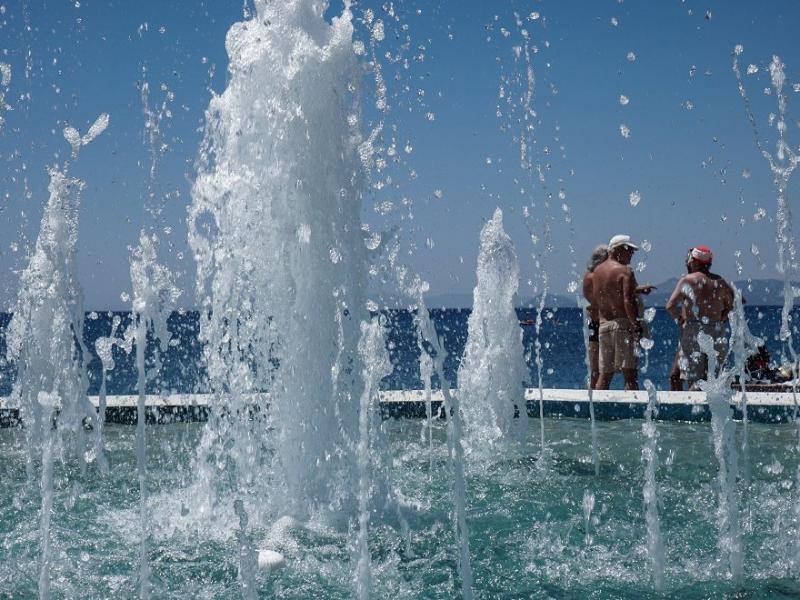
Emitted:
<point x="688" y="105"/>
<point x="646" y="246"/>
<point x="384" y="208"/>
<point x="377" y="31"/>
<point x="438" y="193"/>
<point x="631" y="56"/>
<point x="125" y="297"/>
<point x="534" y="16"/>
<point x="572" y="287"/>
<point x="373" y="241"/>
<point x="738" y="49"/>
<point x="646" y="343"/>
<point x="614" y="21"/>
<point x="746" y="173"/>
<point x="623" y="100"/>
<point x="754" y="250"/>
<point x="430" y="116"/>
<point x="759" y="214"/>
<point x="752" y="69"/>
<point x="625" y="131"/>
<point x="650" y="314"/>
<point x="635" y="198"/>
<point x="304" y="233"/>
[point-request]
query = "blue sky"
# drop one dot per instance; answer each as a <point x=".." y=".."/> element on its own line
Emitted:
<point x="698" y="172"/>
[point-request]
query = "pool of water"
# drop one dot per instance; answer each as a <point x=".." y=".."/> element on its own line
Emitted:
<point x="528" y="528"/>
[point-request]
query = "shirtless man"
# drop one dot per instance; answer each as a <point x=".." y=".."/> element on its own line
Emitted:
<point x="705" y="299"/>
<point x="613" y="295"/>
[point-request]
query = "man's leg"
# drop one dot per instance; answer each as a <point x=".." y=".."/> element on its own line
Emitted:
<point x="605" y="358"/>
<point x="675" y="382"/>
<point x="594" y="364"/>
<point x="604" y="380"/>
<point x="631" y="378"/>
<point x="628" y="358"/>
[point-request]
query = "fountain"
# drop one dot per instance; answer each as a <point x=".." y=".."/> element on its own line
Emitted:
<point x="655" y="544"/>
<point x="492" y="370"/>
<point x="298" y="485"/>
<point x="47" y="329"/>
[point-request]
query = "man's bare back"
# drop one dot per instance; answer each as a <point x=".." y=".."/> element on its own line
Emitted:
<point x="704" y="295"/>
<point x="613" y="289"/>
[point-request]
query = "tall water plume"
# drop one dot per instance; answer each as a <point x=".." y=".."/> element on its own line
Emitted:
<point x="104" y="348"/>
<point x="372" y="349"/>
<point x="433" y="346"/>
<point x="154" y="297"/>
<point x="47" y="331"/>
<point x="490" y="378"/>
<point x="744" y="345"/>
<point x="650" y="491"/>
<point x="718" y="395"/>
<point x="275" y="230"/>
<point x="782" y="163"/>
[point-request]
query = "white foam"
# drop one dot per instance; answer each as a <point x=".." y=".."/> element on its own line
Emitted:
<point x="269" y="560"/>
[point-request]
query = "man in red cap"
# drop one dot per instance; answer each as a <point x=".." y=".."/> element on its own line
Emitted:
<point x="705" y="300"/>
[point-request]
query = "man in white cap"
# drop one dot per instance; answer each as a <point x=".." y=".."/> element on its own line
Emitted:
<point x="700" y="303"/>
<point x="614" y="295"/>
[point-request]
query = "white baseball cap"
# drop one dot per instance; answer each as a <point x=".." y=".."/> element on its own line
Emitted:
<point x="621" y="240"/>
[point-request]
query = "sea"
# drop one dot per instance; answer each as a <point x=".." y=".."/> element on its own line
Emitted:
<point x="560" y="337"/>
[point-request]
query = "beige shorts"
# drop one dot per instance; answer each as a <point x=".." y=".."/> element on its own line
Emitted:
<point x="693" y="361"/>
<point x="618" y="346"/>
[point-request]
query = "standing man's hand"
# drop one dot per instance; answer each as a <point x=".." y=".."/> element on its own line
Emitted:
<point x="645" y="289"/>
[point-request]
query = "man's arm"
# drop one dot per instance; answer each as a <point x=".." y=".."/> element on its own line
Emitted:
<point x="675" y="299"/>
<point x="629" y="297"/>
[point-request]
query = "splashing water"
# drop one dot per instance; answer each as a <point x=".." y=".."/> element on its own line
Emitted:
<point x="454" y="436"/>
<point x="490" y="378"/>
<point x="650" y="491"/>
<point x="718" y="396"/>
<point x="47" y="330"/>
<point x="282" y="155"/>
<point x="583" y="304"/>
<point x="154" y="297"/>
<point x="372" y="349"/>
<point x="426" y="373"/>
<point x="782" y="164"/>
<point x="744" y="345"/>
<point x="104" y="348"/>
<point x="588" y="506"/>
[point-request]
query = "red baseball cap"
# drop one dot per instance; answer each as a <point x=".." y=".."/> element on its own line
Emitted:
<point x="702" y="254"/>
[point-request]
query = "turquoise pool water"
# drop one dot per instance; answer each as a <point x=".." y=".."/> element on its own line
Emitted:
<point x="528" y="533"/>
